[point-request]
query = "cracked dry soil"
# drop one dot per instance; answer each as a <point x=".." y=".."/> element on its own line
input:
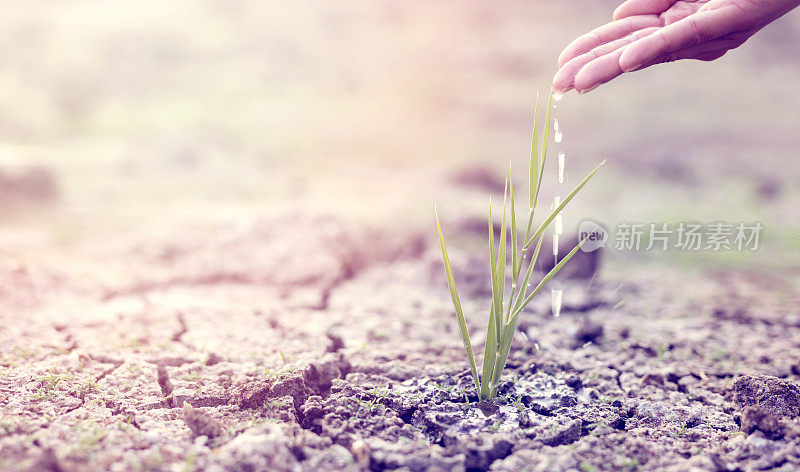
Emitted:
<point x="224" y="351"/>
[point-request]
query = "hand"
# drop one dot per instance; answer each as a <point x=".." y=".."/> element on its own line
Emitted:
<point x="648" y="32"/>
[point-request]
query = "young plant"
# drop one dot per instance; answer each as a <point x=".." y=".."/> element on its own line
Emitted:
<point x="504" y="315"/>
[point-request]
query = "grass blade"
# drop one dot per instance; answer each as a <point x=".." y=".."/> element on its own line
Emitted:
<point x="489" y="356"/>
<point x="501" y="264"/>
<point x="516" y="263"/>
<point x="493" y="312"/>
<point x="553" y="272"/>
<point x="560" y="207"/>
<point x="502" y="354"/>
<point x="531" y="266"/>
<point x="462" y="323"/>
<point x="545" y="145"/>
<point x="533" y="183"/>
<point x="490" y="349"/>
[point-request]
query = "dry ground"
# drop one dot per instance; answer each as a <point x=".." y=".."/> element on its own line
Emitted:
<point x="231" y="206"/>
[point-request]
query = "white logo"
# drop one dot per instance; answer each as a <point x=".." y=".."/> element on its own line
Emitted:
<point x="595" y="234"/>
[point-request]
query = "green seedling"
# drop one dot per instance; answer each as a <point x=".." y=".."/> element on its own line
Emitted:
<point x="504" y="317"/>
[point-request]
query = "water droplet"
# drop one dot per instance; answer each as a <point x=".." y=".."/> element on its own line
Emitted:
<point x="557" y="96"/>
<point x="556" y="296"/>
<point x="558" y="228"/>
<point x="556" y="128"/>
<point x="514" y="286"/>
<point x="562" y="158"/>
<point x="555" y="244"/>
<point x="558" y="136"/>
<point x="536" y="346"/>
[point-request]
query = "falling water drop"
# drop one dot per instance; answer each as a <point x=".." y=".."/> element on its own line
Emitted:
<point x="555" y="244"/>
<point x="557" y="295"/>
<point x="558" y="227"/>
<point x="556" y="128"/>
<point x="557" y="96"/>
<point x="558" y="136"/>
<point x="562" y="158"/>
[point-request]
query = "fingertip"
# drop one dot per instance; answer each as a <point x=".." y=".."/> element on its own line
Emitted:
<point x="617" y="13"/>
<point x="632" y="58"/>
<point x="584" y="82"/>
<point x="561" y="88"/>
<point x="569" y="53"/>
<point x="562" y="59"/>
<point x="562" y="82"/>
<point x="622" y="11"/>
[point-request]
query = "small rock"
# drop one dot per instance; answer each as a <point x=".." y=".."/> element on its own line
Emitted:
<point x="336" y="343"/>
<point x="565" y="435"/>
<point x="165" y="384"/>
<point x="653" y="379"/>
<point x="313" y="409"/>
<point x="270" y="448"/>
<point x="487" y="407"/>
<point x="320" y="375"/>
<point x="482" y="450"/>
<point x="588" y="332"/>
<point x="181" y="396"/>
<point x="200" y="423"/>
<point x="756" y="418"/>
<point x="214" y="359"/>
<point x="573" y="381"/>
<point x="778" y="397"/>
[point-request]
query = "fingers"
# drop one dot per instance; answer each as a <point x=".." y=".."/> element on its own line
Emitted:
<point x="593" y="69"/>
<point x="642" y="7"/>
<point x="635" y="42"/>
<point x="604" y="34"/>
<point x="598" y="72"/>
<point x="564" y="79"/>
<point x="691" y="31"/>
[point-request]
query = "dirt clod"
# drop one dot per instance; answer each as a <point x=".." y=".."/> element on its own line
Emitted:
<point x="778" y="397"/>
<point x="563" y="435"/>
<point x="213" y="359"/>
<point x="336" y="343"/>
<point x="200" y="423"/>
<point x="165" y="383"/>
<point x="756" y="418"/>
<point x="588" y="332"/>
